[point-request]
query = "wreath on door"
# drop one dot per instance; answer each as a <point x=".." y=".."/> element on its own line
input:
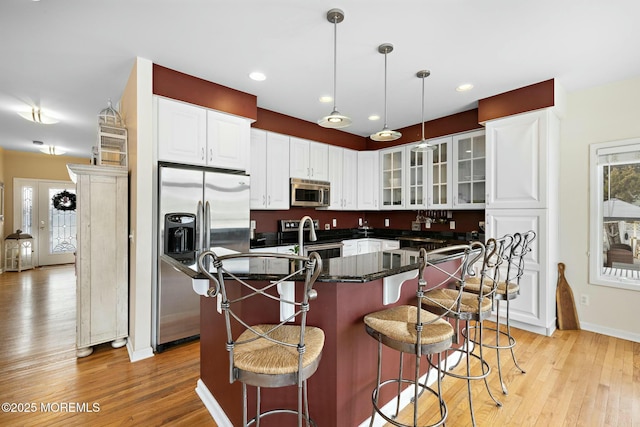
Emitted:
<point x="64" y="201"/>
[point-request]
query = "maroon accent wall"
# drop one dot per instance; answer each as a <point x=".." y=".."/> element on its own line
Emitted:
<point x="176" y="85"/>
<point x="528" y="98"/>
<point x="287" y="125"/>
<point x="448" y="125"/>
<point x="267" y="221"/>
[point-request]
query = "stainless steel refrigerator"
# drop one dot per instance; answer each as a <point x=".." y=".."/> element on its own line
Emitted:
<point x="198" y="208"/>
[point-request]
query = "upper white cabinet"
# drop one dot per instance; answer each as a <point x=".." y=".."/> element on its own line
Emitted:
<point x="308" y="160"/>
<point x="227" y="141"/>
<point x="416" y="178"/>
<point x="182" y="132"/>
<point x="269" y="170"/>
<point x="343" y="175"/>
<point x="439" y="174"/>
<point x="392" y="178"/>
<point x="194" y="135"/>
<point x="469" y="159"/>
<point x="368" y="184"/>
<point x="517" y="161"/>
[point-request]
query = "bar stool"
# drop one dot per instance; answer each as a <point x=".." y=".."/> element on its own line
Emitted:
<point x="267" y="354"/>
<point x="461" y="306"/>
<point x="413" y="330"/>
<point x="508" y="289"/>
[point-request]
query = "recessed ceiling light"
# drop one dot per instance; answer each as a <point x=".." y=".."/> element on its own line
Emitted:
<point x="257" y="76"/>
<point x="374" y="117"/>
<point x="464" y="87"/>
<point x="326" y="98"/>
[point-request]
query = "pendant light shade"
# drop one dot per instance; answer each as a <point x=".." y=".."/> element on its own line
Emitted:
<point x="335" y="120"/>
<point x="385" y="134"/>
<point x="423" y="145"/>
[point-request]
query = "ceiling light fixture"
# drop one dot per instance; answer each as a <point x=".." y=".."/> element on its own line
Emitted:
<point x="37" y="116"/>
<point x="335" y="120"/>
<point x="464" y="87"/>
<point x="257" y="76"/>
<point x="385" y="134"/>
<point x="52" y="150"/>
<point x="423" y="146"/>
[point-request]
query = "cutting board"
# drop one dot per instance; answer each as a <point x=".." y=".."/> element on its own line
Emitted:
<point x="565" y="304"/>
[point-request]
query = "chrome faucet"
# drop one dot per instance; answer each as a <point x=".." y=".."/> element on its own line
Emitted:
<point x="312" y="233"/>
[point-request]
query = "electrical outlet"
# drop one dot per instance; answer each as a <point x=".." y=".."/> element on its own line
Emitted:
<point x="386" y="222"/>
<point x="327" y="226"/>
<point x="452" y="225"/>
<point x="360" y="222"/>
<point x="427" y="224"/>
<point x="335" y="222"/>
<point x="584" y="299"/>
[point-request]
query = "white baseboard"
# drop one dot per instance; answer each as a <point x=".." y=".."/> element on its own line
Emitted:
<point x="134" y="356"/>
<point x="212" y="405"/>
<point x="617" y="333"/>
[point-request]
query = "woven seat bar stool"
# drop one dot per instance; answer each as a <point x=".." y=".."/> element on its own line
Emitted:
<point x="410" y="329"/>
<point x="455" y="303"/>
<point x="508" y="289"/>
<point x="268" y="354"/>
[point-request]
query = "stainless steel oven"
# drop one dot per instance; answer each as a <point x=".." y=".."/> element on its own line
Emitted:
<point x="325" y="250"/>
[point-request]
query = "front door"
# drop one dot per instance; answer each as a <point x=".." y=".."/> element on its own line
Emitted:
<point x="46" y="210"/>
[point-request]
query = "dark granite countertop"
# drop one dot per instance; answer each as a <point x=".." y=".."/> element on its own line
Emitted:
<point x="351" y="269"/>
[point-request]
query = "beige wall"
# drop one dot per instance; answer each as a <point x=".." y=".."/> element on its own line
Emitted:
<point x="604" y="113"/>
<point x="21" y="164"/>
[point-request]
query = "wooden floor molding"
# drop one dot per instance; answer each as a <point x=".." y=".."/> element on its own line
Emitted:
<point x="574" y="378"/>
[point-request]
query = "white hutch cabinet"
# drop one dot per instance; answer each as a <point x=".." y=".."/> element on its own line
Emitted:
<point x="522" y="173"/>
<point x="102" y="289"/>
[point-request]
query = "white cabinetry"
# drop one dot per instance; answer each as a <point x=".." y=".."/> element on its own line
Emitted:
<point x="182" y="132"/>
<point x="469" y="170"/>
<point x="102" y="289"/>
<point x="368" y="184"/>
<point x="269" y="170"/>
<point x="227" y="141"/>
<point x="194" y="135"/>
<point x="308" y="160"/>
<point x="343" y="175"/>
<point x="522" y="172"/>
<point x="439" y="174"/>
<point x="416" y="178"/>
<point x="392" y="178"/>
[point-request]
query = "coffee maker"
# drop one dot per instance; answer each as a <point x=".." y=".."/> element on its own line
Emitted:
<point x="180" y="237"/>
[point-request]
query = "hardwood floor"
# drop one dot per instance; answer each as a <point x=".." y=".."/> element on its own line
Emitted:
<point x="574" y="378"/>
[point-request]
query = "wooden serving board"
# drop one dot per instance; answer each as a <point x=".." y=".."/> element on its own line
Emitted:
<point x="565" y="304"/>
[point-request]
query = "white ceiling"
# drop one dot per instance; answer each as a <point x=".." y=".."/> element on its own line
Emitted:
<point x="69" y="57"/>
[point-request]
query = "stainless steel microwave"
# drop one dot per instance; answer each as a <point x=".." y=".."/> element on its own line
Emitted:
<point x="309" y="193"/>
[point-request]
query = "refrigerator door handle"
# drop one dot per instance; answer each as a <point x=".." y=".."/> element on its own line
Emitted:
<point x="206" y="226"/>
<point x="199" y="227"/>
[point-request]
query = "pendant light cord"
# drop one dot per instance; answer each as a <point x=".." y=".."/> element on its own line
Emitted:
<point x="385" y="89"/>
<point x="335" y="59"/>
<point x="423" y="77"/>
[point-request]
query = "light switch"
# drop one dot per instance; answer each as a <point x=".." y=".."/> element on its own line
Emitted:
<point x="452" y="225"/>
<point x="386" y="222"/>
<point x="335" y="222"/>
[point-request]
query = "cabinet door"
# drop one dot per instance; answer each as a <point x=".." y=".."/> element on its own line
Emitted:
<point x="277" y="159"/>
<point x="318" y="161"/>
<point x="258" y="169"/>
<point x="416" y="178"/>
<point x="392" y="178"/>
<point x="335" y="177"/>
<point x="182" y="132"/>
<point x="516" y="161"/>
<point x="469" y="170"/>
<point x="368" y="184"/>
<point x="227" y="141"/>
<point x="536" y="303"/>
<point x="299" y="158"/>
<point x="349" y="179"/>
<point x="439" y="174"/>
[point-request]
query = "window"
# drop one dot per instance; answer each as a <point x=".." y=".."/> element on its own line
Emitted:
<point x="615" y="214"/>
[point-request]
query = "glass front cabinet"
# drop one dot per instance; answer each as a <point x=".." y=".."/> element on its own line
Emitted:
<point x="392" y="178"/>
<point x="439" y="177"/>
<point x="469" y="176"/>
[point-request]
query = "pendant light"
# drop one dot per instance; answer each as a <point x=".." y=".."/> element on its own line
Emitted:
<point x="335" y="120"/>
<point x="423" y="146"/>
<point x="385" y="134"/>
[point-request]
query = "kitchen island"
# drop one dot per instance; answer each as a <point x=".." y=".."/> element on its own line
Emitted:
<point x="348" y="289"/>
